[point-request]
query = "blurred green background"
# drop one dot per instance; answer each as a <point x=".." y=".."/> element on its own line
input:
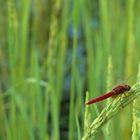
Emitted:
<point x="52" y="52"/>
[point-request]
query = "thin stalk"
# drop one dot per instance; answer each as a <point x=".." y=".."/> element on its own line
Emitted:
<point x="52" y="46"/>
<point x="136" y="115"/>
<point x="109" y="85"/>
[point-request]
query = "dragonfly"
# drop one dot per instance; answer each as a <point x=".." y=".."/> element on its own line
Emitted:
<point x="119" y="89"/>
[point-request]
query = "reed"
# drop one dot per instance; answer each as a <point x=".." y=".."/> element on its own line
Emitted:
<point x="52" y="53"/>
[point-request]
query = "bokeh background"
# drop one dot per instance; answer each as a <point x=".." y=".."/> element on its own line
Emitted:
<point x="52" y="52"/>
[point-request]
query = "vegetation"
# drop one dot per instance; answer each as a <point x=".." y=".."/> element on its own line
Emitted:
<point x="52" y="53"/>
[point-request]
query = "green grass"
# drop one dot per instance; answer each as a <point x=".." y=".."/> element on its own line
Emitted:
<point x="111" y="110"/>
<point x="52" y="53"/>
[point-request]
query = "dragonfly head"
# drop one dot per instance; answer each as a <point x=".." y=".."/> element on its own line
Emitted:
<point x="127" y="87"/>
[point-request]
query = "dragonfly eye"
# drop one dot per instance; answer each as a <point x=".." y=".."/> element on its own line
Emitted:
<point x="128" y="87"/>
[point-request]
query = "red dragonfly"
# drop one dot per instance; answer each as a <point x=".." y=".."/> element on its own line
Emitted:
<point x="120" y="89"/>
